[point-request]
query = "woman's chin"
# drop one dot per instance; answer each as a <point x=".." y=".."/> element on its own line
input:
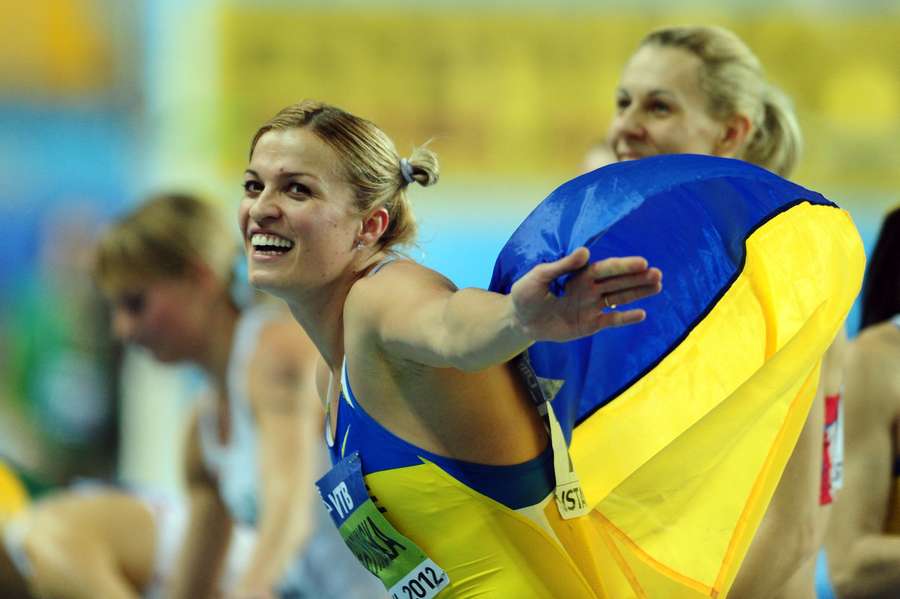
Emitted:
<point x="267" y="283"/>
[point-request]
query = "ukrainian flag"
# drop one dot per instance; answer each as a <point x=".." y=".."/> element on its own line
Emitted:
<point x="680" y="426"/>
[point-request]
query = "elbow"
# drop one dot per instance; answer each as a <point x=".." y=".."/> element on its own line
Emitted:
<point x="474" y="360"/>
<point x="472" y="364"/>
<point x="459" y="358"/>
<point x="468" y="365"/>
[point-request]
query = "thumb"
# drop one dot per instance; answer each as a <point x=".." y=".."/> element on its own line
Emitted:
<point x="546" y="273"/>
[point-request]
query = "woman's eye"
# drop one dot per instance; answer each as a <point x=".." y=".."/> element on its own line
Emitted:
<point x="298" y="189"/>
<point x="133" y="302"/>
<point x="622" y="103"/>
<point x="660" y="108"/>
<point x="252" y="186"/>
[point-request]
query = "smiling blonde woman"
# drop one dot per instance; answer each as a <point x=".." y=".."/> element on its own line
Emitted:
<point x="446" y="474"/>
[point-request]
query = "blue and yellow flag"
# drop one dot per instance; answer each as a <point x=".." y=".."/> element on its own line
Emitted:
<point x="680" y="426"/>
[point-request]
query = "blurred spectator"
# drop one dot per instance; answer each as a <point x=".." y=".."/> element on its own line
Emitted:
<point x="60" y="369"/>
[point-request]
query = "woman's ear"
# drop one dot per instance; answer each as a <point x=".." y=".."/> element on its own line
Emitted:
<point x="735" y="134"/>
<point x="373" y="227"/>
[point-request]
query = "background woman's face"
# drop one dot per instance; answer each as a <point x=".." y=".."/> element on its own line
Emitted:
<point x="660" y="107"/>
<point x="166" y="317"/>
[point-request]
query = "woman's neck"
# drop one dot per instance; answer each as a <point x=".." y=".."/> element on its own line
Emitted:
<point x="321" y="313"/>
<point x="322" y="317"/>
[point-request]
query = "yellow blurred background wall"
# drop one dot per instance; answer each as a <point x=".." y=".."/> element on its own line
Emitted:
<point x="525" y="93"/>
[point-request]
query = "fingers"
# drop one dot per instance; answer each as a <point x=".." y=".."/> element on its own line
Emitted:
<point x="620" y="319"/>
<point x="649" y="277"/>
<point x="619" y="281"/>
<point x="552" y="270"/>
<point x="616" y="281"/>
<point x="617" y="267"/>
<point x="626" y="296"/>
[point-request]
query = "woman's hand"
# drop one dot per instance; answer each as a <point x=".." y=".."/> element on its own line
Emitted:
<point x="590" y="296"/>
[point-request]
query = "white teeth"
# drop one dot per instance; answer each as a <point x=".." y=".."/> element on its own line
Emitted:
<point x="262" y="239"/>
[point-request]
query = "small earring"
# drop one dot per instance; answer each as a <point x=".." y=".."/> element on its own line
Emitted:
<point x="358" y="244"/>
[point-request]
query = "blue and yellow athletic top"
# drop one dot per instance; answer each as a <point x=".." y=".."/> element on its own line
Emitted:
<point x="495" y="530"/>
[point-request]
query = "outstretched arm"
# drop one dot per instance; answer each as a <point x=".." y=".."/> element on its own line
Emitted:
<point x="422" y="317"/>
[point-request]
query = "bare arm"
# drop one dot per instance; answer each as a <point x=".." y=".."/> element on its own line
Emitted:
<point x="289" y="420"/>
<point x="79" y="568"/>
<point x="205" y="544"/>
<point x="79" y="548"/>
<point x="424" y="319"/>
<point x="864" y="561"/>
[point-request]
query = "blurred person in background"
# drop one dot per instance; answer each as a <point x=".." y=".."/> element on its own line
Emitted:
<point x="443" y="481"/>
<point x="88" y="541"/>
<point x="863" y="538"/>
<point x="251" y="453"/>
<point x="58" y="363"/>
<point x="701" y="90"/>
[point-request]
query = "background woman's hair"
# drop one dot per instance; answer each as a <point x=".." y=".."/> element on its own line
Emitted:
<point x="163" y="238"/>
<point x="881" y="287"/>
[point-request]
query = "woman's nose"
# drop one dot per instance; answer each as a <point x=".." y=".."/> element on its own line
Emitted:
<point x="264" y="207"/>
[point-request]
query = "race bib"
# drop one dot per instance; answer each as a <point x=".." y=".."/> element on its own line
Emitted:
<point x="403" y="568"/>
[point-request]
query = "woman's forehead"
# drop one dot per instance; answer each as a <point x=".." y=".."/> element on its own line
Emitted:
<point x="293" y="150"/>
<point x="660" y="68"/>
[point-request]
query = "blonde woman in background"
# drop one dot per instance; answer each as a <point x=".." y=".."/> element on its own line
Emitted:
<point x="252" y="451"/>
<point x="701" y="90"/>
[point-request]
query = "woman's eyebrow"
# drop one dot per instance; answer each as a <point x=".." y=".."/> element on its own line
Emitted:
<point x="283" y="175"/>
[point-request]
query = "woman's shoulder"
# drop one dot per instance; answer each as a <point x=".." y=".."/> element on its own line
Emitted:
<point x="870" y="365"/>
<point x="396" y="280"/>
<point x="878" y="342"/>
